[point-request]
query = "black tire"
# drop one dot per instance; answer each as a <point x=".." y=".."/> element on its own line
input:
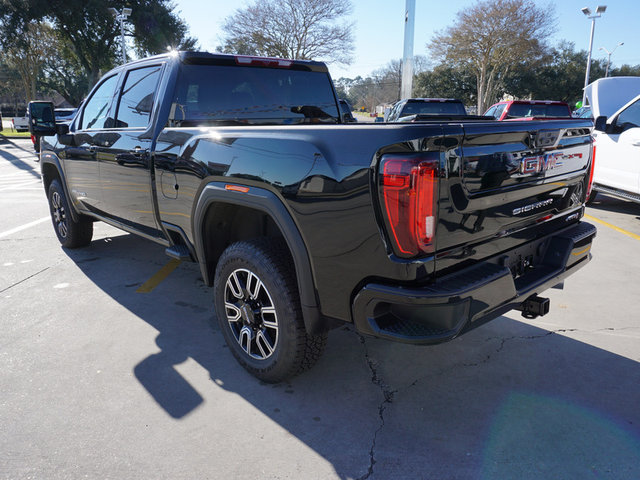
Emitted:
<point x="258" y="311"/>
<point x="71" y="234"/>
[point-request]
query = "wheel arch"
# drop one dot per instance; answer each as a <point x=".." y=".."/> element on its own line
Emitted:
<point x="51" y="170"/>
<point x="214" y="230"/>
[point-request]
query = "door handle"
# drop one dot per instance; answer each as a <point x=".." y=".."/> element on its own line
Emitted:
<point x="635" y="143"/>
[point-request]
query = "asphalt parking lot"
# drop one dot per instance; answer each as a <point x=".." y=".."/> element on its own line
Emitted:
<point x="110" y="370"/>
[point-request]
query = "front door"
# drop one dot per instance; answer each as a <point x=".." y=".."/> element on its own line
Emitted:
<point x="80" y="160"/>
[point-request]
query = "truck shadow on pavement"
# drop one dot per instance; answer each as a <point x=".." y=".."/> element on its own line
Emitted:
<point x="507" y="400"/>
<point x="33" y="169"/>
<point x="611" y="204"/>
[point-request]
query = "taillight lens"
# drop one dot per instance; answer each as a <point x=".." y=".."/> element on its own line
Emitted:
<point x="263" y="61"/>
<point x="593" y="166"/>
<point x="409" y="188"/>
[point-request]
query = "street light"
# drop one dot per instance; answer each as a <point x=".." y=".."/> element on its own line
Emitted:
<point x="609" y="53"/>
<point x="121" y="17"/>
<point x="600" y="9"/>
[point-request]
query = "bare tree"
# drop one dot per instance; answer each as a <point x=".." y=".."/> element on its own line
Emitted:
<point x="490" y="37"/>
<point x="299" y="29"/>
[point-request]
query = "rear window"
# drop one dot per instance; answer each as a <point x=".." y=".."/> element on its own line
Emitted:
<point x="518" y="110"/>
<point x="232" y="95"/>
<point x="433" y="108"/>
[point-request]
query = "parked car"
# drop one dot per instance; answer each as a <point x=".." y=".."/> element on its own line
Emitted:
<point x="21" y="124"/>
<point x="64" y="114"/>
<point x="528" y="110"/>
<point x="407" y="109"/>
<point x="617" y="145"/>
<point x="346" y="111"/>
<point x="411" y="232"/>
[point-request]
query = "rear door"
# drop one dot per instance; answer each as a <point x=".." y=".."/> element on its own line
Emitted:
<point x="124" y="153"/>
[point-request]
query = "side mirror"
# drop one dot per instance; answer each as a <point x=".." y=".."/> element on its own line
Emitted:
<point x="600" y="123"/>
<point x="41" y="119"/>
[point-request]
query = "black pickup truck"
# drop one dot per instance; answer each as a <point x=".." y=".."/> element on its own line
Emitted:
<point x="415" y="232"/>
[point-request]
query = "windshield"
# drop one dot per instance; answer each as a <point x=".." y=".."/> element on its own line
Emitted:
<point x="518" y="110"/>
<point x="433" y="108"/>
<point x="234" y="95"/>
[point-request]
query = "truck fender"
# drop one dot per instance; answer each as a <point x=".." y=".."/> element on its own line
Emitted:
<point x="263" y="200"/>
<point x="49" y="160"/>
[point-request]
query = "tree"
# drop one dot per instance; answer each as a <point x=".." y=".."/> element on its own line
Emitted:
<point x="489" y="38"/>
<point x="90" y="31"/>
<point x="626" y="70"/>
<point x="560" y="76"/>
<point x="27" y="54"/>
<point x="447" y="82"/>
<point x="298" y="29"/>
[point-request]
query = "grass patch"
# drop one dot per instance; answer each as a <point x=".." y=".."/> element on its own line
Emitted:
<point x="12" y="134"/>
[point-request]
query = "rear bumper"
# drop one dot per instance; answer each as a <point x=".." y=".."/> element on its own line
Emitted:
<point x="466" y="299"/>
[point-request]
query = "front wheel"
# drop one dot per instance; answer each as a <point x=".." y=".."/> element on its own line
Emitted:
<point x="258" y="310"/>
<point x="71" y="234"/>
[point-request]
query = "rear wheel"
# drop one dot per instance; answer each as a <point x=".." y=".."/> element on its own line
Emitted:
<point x="258" y="311"/>
<point x="71" y="234"/>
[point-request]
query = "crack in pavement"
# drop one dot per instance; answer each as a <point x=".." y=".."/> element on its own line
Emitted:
<point x="24" y="280"/>
<point x="388" y="395"/>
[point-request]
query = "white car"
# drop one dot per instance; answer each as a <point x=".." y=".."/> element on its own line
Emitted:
<point x="21" y="124"/>
<point x="617" y="153"/>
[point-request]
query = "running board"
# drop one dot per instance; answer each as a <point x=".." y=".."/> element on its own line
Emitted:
<point x="634" y="197"/>
<point x="179" y="252"/>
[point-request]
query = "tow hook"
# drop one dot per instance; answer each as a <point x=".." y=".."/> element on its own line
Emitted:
<point x="534" y="306"/>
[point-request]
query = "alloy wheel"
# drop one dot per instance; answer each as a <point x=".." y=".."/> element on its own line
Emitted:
<point x="251" y="314"/>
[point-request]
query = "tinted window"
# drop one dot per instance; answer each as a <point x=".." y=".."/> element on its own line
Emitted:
<point x="433" y="108"/>
<point x="630" y="117"/>
<point x="490" y="112"/>
<point x="136" y="101"/>
<point x="499" y="109"/>
<point x="518" y="110"/>
<point x="228" y="95"/>
<point x="95" y="111"/>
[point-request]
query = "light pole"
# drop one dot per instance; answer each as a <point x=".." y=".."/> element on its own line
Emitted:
<point x="121" y="17"/>
<point x="600" y="9"/>
<point x="609" y="53"/>
<point x="407" y="58"/>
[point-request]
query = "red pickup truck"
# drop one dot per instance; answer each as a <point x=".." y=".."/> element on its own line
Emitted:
<point x="529" y="110"/>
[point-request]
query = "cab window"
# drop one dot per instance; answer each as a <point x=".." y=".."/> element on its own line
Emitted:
<point x="499" y="109"/>
<point x="136" y="100"/>
<point x="96" y="109"/>
<point x="630" y="117"/>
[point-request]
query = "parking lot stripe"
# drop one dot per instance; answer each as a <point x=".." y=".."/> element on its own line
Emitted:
<point x="160" y="275"/>
<point x="23" y="227"/>
<point x="617" y="229"/>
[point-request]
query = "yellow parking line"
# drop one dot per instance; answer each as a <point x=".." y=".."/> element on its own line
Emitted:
<point x="617" y="229"/>
<point x="160" y="275"/>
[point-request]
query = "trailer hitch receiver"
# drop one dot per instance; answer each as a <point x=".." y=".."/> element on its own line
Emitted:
<point x="534" y="306"/>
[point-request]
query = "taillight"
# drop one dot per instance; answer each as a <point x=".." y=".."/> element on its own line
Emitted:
<point x="409" y="187"/>
<point x="263" y="61"/>
<point x="593" y="166"/>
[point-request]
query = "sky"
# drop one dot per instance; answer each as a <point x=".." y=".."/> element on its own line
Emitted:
<point x="379" y="27"/>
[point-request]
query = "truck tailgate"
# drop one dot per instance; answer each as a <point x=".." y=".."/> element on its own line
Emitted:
<point x="503" y="184"/>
